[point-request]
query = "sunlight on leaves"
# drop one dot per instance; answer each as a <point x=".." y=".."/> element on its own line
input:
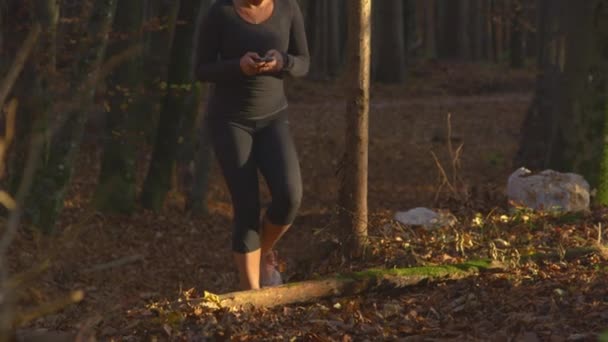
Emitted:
<point x="210" y="297"/>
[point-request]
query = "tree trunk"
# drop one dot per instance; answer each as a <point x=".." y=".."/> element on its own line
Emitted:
<point x="430" y="31"/>
<point x="488" y="31"/>
<point x="499" y="28"/>
<point x="353" y="192"/>
<point x="464" y="36"/>
<point x="162" y="16"/>
<point x="579" y="142"/>
<point x="45" y="200"/>
<point x="535" y="138"/>
<point x="517" y="36"/>
<point x="346" y="285"/>
<point x="179" y="101"/>
<point x="450" y="21"/>
<point x="115" y="191"/>
<point x="388" y="28"/>
<point x="196" y="151"/>
<point x="476" y="20"/>
<point x="324" y="21"/>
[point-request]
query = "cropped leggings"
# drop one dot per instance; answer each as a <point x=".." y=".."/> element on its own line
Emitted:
<point x="243" y="148"/>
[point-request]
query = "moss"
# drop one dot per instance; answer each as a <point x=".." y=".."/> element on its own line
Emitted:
<point x="425" y="271"/>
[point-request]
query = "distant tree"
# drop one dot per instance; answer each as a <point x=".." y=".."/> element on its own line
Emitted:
<point x="46" y="198"/>
<point x="464" y="30"/>
<point x="517" y="52"/>
<point x="430" y="30"/>
<point x="389" y="41"/>
<point x="178" y="103"/>
<point x="353" y="191"/>
<point x="116" y="187"/>
<point x="325" y="26"/>
<point x="535" y="138"/>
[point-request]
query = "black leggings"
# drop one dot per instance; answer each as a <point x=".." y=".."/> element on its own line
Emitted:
<point x="242" y="148"/>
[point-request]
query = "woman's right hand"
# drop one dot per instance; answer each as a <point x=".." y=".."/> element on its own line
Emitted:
<point x="248" y="64"/>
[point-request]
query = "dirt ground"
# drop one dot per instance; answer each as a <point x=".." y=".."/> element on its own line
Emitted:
<point x="125" y="263"/>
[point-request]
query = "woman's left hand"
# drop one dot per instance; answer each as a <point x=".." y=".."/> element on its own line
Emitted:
<point x="276" y="64"/>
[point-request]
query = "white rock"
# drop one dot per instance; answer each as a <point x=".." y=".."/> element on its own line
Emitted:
<point x="549" y="190"/>
<point x="425" y="217"/>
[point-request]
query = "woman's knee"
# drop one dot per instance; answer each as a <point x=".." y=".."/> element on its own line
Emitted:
<point x="285" y="205"/>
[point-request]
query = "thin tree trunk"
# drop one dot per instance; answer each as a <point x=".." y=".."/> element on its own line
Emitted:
<point x="115" y="191"/>
<point x="353" y="192"/>
<point x="449" y="11"/>
<point x="488" y="32"/>
<point x="499" y="27"/>
<point x="430" y="32"/>
<point x="388" y="31"/>
<point x="324" y="21"/>
<point x="517" y="36"/>
<point x="177" y="103"/>
<point x="156" y="61"/>
<point x="476" y="19"/>
<point x="464" y="37"/>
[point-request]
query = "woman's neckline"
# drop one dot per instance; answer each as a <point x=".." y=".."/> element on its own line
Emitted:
<point x="234" y="8"/>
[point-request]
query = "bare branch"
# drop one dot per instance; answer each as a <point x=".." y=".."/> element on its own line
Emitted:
<point x="22" y="55"/>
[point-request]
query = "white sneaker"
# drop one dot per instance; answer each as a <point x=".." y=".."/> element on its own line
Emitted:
<point x="269" y="274"/>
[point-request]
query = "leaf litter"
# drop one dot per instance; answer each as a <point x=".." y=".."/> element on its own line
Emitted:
<point x="171" y="257"/>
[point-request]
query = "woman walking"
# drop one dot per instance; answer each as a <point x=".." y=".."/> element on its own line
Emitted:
<point x="246" y="48"/>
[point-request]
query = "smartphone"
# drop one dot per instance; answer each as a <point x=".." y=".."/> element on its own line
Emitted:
<point x="263" y="59"/>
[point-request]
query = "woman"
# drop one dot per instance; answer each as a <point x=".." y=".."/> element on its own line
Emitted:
<point x="246" y="48"/>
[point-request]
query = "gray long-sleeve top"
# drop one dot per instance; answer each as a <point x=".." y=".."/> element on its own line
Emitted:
<point x="225" y="37"/>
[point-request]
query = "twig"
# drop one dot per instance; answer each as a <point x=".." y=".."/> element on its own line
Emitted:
<point x="19" y="62"/>
<point x="445" y="178"/>
<point x="116" y="263"/>
<point x="5" y="142"/>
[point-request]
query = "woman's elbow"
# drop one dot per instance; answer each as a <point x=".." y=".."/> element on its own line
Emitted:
<point x="302" y="67"/>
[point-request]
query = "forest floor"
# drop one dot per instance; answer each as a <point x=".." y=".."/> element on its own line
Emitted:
<point x="130" y="266"/>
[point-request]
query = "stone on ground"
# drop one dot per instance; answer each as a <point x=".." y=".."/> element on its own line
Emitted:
<point x="549" y="190"/>
<point x="426" y="218"/>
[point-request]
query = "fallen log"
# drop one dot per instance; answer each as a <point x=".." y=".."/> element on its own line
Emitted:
<point x="345" y="285"/>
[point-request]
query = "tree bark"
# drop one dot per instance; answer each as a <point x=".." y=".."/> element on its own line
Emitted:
<point x="115" y="191"/>
<point x="353" y="192"/>
<point x="162" y="16"/>
<point x="477" y="21"/>
<point x="517" y="36"/>
<point x="464" y="36"/>
<point x="535" y="138"/>
<point x="179" y="101"/>
<point x="430" y="31"/>
<point x="449" y="21"/>
<point x="488" y="31"/>
<point x="347" y="285"/>
<point x="579" y="138"/>
<point x="388" y="29"/>
<point x="325" y="22"/>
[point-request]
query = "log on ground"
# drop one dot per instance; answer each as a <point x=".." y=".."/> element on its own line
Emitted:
<point x="347" y="285"/>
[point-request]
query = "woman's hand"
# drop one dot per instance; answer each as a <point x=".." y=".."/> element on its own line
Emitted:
<point x="276" y="64"/>
<point x="248" y="63"/>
